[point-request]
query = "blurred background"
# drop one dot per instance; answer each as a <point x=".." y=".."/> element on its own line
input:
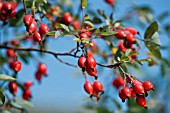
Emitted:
<point x="62" y="91"/>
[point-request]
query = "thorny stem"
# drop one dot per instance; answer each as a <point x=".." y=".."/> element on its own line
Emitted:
<point x="56" y="54"/>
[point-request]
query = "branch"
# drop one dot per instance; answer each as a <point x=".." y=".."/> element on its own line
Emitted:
<point x="25" y="8"/>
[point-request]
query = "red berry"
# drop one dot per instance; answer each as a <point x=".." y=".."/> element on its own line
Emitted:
<point x="32" y="27"/>
<point x="81" y="62"/>
<point x="131" y="30"/>
<point x="134" y="82"/>
<point x="28" y="20"/>
<point x="13" y="88"/>
<point x="28" y="84"/>
<point x="98" y="86"/>
<point x="85" y="31"/>
<point x="88" y="87"/>
<point x="16" y="65"/>
<point x="6" y="8"/>
<point x="118" y="82"/>
<point x="67" y="18"/>
<point x="76" y="25"/>
<point x="38" y="76"/>
<point x="141" y="101"/>
<point x="90" y="62"/>
<point x="130" y="38"/>
<point x="37" y="37"/>
<point x="111" y="2"/>
<point x="1" y="3"/>
<point x="84" y="35"/>
<point x="127" y="44"/>
<point x="92" y="72"/>
<point x="14" y="42"/>
<point x="26" y="94"/>
<point x="42" y="68"/>
<point x="125" y="93"/>
<point x="3" y="18"/>
<point x="133" y="94"/>
<point x="13" y="12"/>
<point x="11" y="53"/>
<point x="138" y="88"/>
<point x="148" y="86"/>
<point x="120" y="34"/>
<point x="93" y="47"/>
<point x="43" y="29"/>
<point x="121" y="46"/>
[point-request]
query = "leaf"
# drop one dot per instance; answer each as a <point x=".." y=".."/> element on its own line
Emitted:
<point x="142" y="60"/>
<point x="63" y="26"/>
<point x="163" y="15"/>
<point x="111" y="33"/>
<point x="22" y="102"/>
<point x="56" y="34"/>
<point x="6" y="77"/>
<point x="101" y="12"/>
<point x="77" y="39"/>
<point x="86" y="17"/>
<point x="18" y="20"/>
<point x="88" y="23"/>
<point x="156" y="53"/>
<point x="127" y="52"/>
<point x="151" y="30"/>
<point x="2" y="97"/>
<point x="83" y="3"/>
<point x="96" y="20"/>
<point x="40" y="1"/>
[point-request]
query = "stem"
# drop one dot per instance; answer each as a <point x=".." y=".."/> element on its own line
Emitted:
<point x="25" y="8"/>
<point x="82" y="15"/>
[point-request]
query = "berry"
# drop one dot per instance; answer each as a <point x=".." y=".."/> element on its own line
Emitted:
<point x="138" y="88"/>
<point x="43" y="29"/>
<point x="125" y="93"/>
<point x="98" y="86"/>
<point x="37" y="37"/>
<point x="26" y="94"/>
<point x="118" y="82"/>
<point x="67" y="18"/>
<point x="28" y="20"/>
<point x="132" y="30"/>
<point x="76" y="25"/>
<point x="141" y="101"/>
<point x="85" y="31"/>
<point x="130" y="38"/>
<point x="13" y="88"/>
<point x="1" y="3"/>
<point x="84" y="35"/>
<point x="6" y="8"/>
<point x="120" y="34"/>
<point x="88" y="87"/>
<point x="28" y="84"/>
<point x="42" y="68"/>
<point x="16" y="65"/>
<point x="81" y="62"/>
<point x="13" y="12"/>
<point x="121" y="46"/>
<point x="111" y="2"/>
<point x="14" y="42"/>
<point x="90" y="62"/>
<point x="135" y="82"/>
<point x="92" y="72"/>
<point x="148" y="86"/>
<point x="127" y="44"/>
<point x="11" y="53"/>
<point x="133" y="94"/>
<point x="32" y="27"/>
<point x="38" y="76"/>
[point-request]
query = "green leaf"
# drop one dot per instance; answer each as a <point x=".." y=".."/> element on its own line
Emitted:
<point x="2" y="97"/>
<point x="63" y="26"/>
<point x="86" y="17"/>
<point x="56" y="34"/>
<point x="96" y="20"/>
<point x="151" y="30"/>
<point x="41" y="1"/>
<point x="83" y="3"/>
<point x="77" y="39"/>
<point x="127" y="52"/>
<point x="6" y="77"/>
<point x="22" y="102"/>
<point x="156" y="52"/>
<point x="18" y="20"/>
<point x="88" y="23"/>
<point x="142" y="60"/>
<point x="111" y="33"/>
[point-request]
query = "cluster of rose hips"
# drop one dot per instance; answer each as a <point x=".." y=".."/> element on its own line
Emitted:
<point x="127" y="37"/>
<point x="133" y="88"/>
<point x="31" y="24"/>
<point x="7" y="10"/>
<point x="88" y="64"/>
<point x="13" y="88"/>
<point x="42" y="70"/>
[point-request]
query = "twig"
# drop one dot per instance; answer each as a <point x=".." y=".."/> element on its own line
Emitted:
<point x="64" y="61"/>
<point x="25" y="8"/>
